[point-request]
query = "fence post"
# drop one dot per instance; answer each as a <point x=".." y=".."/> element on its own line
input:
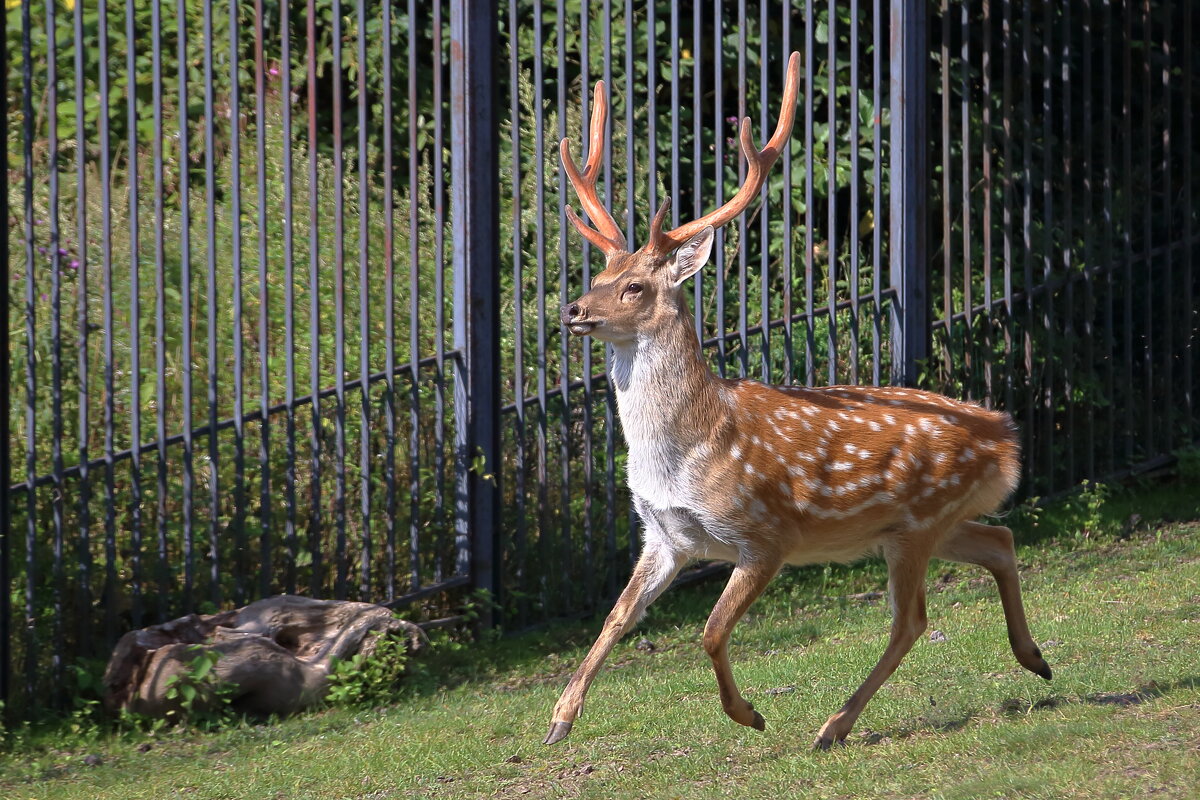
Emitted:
<point x="475" y="222"/>
<point x="5" y="477"/>
<point x="908" y="188"/>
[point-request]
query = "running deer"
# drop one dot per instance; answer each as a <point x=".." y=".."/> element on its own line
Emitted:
<point x="763" y="476"/>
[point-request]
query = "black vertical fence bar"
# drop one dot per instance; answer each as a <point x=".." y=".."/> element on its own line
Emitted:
<point x="1006" y="117"/>
<point x="414" y="331"/>
<point x="1146" y="333"/>
<point x="855" y="179"/>
<point x="264" y="375"/>
<point x="1087" y="59"/>
<point x="539" y="161"/>
<point x="1190" y="322"/>
<point x="314" y="311"/>
<point x="110" y="534"/>
<point x="1046" y="432"/>
<point x="564" y="374"/>
<point x="698" y="199"/>
<point x="719" y="127"/>
<point x="742" y="257"/>
<point x="591" y="586"/>
<point x="810" y="239"/>
<point x="439" y="278"/>
<point x="908" y="200"/>
<point x="1167" y="402"/>
<point x="474" y="208"/>
<point x="185" y="295"/>
<point x="520" y="458"/>
<point x="788" y="216"/>
<point x="83" y="596"/>
<point x="763" y="216"/>
<point x="135" y="323"/>
<point x="1127" y="235"/>
<point x="339" y="308"/>
<point x="389" y="304"/>
<point x="238" y="562"/>
<point x="610" y="401"/>
<point x="1087" y="166"/>
<point x="364" y="310"/>
<point x="6" y="530"/>
<point x="876" y="191"/>
<point x="1031" y="454"/>
<point x="630" y="194"/>
<point x="160" y="316"/>
<point x="1068" y="258"/>
<point x="968" y="358"/>
<point x="985" y="155"/>
<point x="56" y="268"/>
<point x="29" y="623"/>
<point x="947" y="188"/>
<point x="831" y="244"/>
<point x="289" y="291"/>
<point x="1108" y="220"/>
<point x="210" y="256"/>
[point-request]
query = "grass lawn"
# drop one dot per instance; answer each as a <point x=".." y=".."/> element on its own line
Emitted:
<point x="1115" y="606"/>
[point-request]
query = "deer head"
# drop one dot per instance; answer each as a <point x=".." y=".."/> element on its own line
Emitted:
<point x="637" y="289"/>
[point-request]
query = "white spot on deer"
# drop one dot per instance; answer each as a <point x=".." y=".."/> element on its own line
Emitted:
<point x="785" y="488"/>
<point x="804" y="424"/>
<point x="850" y="448"/>
<point x="749" y="468"/>
<point x="939" y="457"/>
<point x="793" y="414"/>
<point x="841" y="466"/>
<point x="827" y="491"/>
<point x="796" y="471"/>
<point x="810" y="410"/>
<point x="833" y="426"/>
<point x="842" y="415"/>
<point x="955" y="479"/>
<point x="912" y="459"/>
<point x="735" y="453"/>
<point x="910" y="431"/>
<point x="864" y="454"/>
<point x="966" y="455"/>
<point x="889" y="419"/>
<point x="926" y="424"/>
<point x="754" y="440"/>
<point x="895" y="402"/>
<point x="780" y="458"/>
<point x="859" y="419"/>
<point x="952" y="419"/>
<point x="757" y="508"/>
<point x="875" y="426"/>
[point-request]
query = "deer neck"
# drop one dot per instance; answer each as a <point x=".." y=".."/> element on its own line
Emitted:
<point x="667" y="397"/>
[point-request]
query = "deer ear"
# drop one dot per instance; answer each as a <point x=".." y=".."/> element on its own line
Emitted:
<point x="692" y="255"/>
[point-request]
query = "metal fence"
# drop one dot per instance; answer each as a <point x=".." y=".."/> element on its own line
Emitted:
<point x="285" y="275"/>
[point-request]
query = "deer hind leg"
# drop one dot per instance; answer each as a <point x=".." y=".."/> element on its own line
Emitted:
<point x="906" y="590"/>
<point x="991" y="547"/>
<point x="655" y="570"/>
<point x="744" y="587"/>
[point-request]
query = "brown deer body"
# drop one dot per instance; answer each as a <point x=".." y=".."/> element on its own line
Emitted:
<point x="763" y="476"/>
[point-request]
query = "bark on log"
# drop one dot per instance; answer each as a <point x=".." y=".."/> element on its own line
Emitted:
<point x="275" y="655"/>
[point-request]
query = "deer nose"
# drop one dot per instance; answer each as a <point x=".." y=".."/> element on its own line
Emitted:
<point x="571" y="313"/>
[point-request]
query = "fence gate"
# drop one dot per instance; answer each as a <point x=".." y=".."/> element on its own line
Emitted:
<point x="281" y="276"/>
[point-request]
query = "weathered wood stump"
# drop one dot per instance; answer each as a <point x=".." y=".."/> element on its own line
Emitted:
<point x="275" y="655"/>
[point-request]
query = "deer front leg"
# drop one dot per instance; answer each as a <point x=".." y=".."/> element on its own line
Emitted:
<point x="744" y="587"/>
<point x="906" y="587"/>
<point x="655" y="570"/>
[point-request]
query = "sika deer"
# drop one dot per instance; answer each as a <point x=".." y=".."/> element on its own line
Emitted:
<point x="764" y="476"/>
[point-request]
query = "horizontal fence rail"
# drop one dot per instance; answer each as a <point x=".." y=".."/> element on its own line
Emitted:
<point x="284" y="275"/>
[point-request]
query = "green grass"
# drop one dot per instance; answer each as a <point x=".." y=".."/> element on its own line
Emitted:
<point x="1117" y="611"/>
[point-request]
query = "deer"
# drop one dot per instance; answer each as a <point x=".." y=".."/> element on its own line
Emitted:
<point x="765" y="476"/>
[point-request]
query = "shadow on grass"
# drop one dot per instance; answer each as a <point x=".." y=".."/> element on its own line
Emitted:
<point x="1019" y="707"/>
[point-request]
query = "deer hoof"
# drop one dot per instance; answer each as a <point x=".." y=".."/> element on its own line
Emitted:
<point x="558" y="732"/>
<point x="824" y="743"/>
<point x="759" y="724"/>
<point x="1044" y="671"/>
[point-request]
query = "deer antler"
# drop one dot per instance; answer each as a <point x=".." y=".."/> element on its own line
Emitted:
<point x="759" y="163"/>
<point x="606" y="235"/>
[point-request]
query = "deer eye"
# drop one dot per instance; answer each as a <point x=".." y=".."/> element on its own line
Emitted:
<point x="634" y="288"/>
